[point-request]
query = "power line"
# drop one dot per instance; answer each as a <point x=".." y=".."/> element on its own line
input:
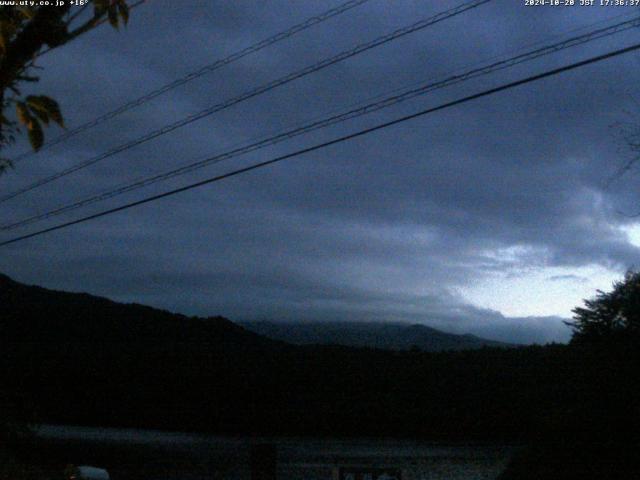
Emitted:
<point x="252" y="93"/>
<point x="600" y="33"/>
<point x="332" y="120"/>
<point x="308" y="23"/>
<point x="335" y="141"/>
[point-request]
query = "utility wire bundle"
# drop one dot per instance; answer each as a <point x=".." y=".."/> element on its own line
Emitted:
<point x="322" y="123"/>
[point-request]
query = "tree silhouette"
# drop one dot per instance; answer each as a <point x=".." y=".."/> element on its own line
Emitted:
<point x="610" y="316"/>
<point x="24" y="32"/>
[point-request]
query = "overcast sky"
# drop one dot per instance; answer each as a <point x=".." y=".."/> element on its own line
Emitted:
<point x="494" y="217"/>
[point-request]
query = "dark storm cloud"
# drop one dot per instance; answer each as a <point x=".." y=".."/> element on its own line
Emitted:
<point x="385" y="227"/>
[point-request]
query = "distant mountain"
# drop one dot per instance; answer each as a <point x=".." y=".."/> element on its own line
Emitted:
<point x="34" y="314"/>
<point x="387" y="336"/>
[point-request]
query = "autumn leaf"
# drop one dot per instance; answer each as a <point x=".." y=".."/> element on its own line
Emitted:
<point x="23" y="113"/>
<point x="27" y="12"/>
<point x="124" y="11"/>
<point x="112" y="13"/>
<point x="100" y="6"/>
<point x="46" y="107"/>
<point x="7" y="29"/>
<point x="36" y="135"/>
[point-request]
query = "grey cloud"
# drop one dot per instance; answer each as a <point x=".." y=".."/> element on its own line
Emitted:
<point x="568" y="277"/>
<point x="383" y="227"/>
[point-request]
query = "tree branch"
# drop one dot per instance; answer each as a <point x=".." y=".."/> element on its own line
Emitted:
<point x="43" y="29"/>
<point x="88" y="25"/>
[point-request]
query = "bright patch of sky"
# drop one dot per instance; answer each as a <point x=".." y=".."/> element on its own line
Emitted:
<point x="537" y="290"/>
<point x="633" y="234"/>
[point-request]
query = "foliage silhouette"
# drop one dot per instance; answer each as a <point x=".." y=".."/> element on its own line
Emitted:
<point x="24" y="31"/>
<point x="603" y="419"/>
<point x="610" y="317"/>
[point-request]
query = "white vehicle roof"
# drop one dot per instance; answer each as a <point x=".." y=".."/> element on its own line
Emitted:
<point x="92" y="473"/>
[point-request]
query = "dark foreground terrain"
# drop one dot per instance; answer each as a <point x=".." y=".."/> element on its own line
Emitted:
<point x="151" y="455"/>
<point x="83" y="360"/>
<point x="80" y="359"/>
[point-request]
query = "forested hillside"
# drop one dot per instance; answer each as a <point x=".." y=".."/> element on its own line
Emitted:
<point x="84" y="360"/>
